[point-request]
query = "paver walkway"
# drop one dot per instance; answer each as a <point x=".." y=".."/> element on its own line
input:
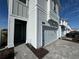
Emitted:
<point x="61" y="49"/>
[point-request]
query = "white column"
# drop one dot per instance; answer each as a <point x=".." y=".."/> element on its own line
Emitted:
<point x="10" y="5"/>
<point x="10" y="25"/>
<point x="11" y="32"/>
<point x="59" y="32"/>
<point x="48" y="9"/>
<point x="57" y="9"/>
<point x="32" y="24"/>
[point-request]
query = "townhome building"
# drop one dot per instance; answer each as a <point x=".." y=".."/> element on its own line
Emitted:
<point x="64" y="27"/>
<point x="33" y="21"/>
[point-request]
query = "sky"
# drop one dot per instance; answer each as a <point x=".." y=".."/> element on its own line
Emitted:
<point x="69" y="10"/>
<point x="3" y="14"/>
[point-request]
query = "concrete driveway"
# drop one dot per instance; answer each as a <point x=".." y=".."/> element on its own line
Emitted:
<point x="60" y="49"/>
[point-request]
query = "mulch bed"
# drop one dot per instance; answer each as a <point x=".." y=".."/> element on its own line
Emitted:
<point x="40" y="52"/>
<point x="8" y="53"/>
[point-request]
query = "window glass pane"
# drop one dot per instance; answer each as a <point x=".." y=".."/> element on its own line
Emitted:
<point x="55" y="8"/>
<point x="24" y="1"/>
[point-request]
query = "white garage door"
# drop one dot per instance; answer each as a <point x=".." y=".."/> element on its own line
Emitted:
<point x="49" y="36"/>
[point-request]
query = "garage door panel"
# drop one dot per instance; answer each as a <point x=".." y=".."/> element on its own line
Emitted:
<point x="49" y="36"/>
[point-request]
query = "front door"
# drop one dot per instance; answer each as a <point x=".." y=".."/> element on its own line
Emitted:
<point x="20" y="32"/>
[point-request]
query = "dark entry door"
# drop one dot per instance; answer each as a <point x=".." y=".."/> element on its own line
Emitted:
<point x="20" y="32"/>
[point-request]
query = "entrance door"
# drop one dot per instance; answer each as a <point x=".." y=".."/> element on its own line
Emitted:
<point x="20" y="32"/>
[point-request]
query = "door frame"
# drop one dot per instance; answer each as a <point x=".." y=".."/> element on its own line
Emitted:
<point x="25" y="28"/>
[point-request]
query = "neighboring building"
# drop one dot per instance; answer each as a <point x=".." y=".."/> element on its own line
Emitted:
<point x="33" y="21"/>
<point x="75" y="29"/>
<point x="0" y="37"/>
<point x="3" y="37"/>
<point x="64" y="27"/>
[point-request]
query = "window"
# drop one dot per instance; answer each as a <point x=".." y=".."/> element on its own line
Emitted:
<point x="24" y="1"/>
<point x="43" y="22"/>
<point x="55" y="7"/>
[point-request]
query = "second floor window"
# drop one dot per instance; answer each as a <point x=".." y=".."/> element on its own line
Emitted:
<point x="55" y="7"/>
<point x="24" y="1"/>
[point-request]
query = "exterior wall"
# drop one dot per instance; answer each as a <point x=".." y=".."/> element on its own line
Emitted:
<point x="32" y="23"/>
<point x="11" y="21"/>
<point x="66" y="29"/>
<point x="37" y="15"/>
<point x="35" y="12"/>
<point x="19" y="8"/>
<point x="42" y="17"/>
<point x="51" y="12"/>
<point x="43" y="11"/>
